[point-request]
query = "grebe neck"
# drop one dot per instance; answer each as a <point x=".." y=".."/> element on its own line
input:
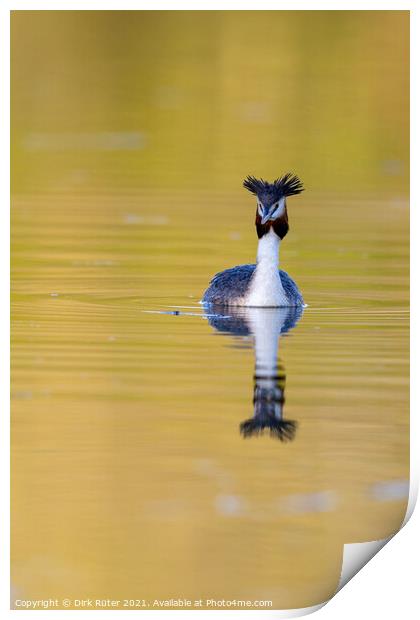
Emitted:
<point x="268" y="250"/>
<point x="266" y="288"/>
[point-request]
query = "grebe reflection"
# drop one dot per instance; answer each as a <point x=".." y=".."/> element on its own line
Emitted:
<point x="265" y="326"/>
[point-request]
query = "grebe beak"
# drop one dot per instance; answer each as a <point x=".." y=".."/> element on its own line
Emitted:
<point x="266" y="215"/>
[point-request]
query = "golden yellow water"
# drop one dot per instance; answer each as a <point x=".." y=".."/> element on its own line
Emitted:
<point x="131" y="135"/>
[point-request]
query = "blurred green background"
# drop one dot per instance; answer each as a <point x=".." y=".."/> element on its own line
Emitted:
<point x="106" y="100"/>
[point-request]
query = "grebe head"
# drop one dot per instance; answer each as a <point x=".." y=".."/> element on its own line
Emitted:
<point x="271" y="202"/>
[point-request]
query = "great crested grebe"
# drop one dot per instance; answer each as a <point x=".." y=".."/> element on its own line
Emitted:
<point x="263" y="284"/>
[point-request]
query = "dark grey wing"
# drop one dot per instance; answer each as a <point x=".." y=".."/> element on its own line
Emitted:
<point x="228" y="285"/>
<point x="291" y="289"/>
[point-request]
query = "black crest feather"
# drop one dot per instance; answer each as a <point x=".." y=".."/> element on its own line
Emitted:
<point x="287" y="185"/>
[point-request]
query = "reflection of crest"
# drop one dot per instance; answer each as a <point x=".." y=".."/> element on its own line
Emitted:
<point x="268" y="410"/>
<point x="266" y="325"/>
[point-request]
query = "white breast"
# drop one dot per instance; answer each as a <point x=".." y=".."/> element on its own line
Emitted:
<point x="266" y="289"/>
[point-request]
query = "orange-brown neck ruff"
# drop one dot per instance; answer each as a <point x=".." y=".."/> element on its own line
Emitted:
<point x="279" y="225"/>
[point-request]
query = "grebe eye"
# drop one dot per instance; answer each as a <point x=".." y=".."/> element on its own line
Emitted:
<point x="278" y="209"/>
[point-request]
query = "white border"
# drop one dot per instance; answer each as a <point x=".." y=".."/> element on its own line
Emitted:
<point x="202" y="5"/>
<point x="5" y="304"/>
<point x="386" y="586"/>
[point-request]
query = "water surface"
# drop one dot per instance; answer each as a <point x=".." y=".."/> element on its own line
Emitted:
<point x="131" y="478"/>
